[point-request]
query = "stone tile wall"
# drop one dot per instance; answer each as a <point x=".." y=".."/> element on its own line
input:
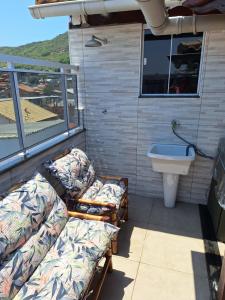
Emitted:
<point x="121" y="125"/>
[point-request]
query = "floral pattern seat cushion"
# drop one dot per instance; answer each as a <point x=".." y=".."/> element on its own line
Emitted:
<point x="42" y="250"/>
<point x="68" y="267"/>
<point x="74" y="171"/>
<point x="106" y="191"/>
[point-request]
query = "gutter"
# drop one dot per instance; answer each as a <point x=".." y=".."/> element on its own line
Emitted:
<point x="78" y="8"/>
<point x="154" y="12"/>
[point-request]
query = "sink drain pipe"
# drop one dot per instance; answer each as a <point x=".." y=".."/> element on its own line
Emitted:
<point x="174" y="125"/>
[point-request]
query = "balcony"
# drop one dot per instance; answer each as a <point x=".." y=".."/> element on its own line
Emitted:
<point x="162" y="251"/>
<point x="38" y="107"/>
<point x="47" y="107"/>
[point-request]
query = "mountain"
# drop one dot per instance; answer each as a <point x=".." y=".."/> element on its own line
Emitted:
<point x="56" y="49"/>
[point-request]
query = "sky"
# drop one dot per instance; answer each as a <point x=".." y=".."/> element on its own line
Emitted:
<point x="19" y="28"/>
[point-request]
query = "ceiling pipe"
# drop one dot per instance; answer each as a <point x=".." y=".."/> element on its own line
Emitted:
<point x="161" y="24"/>
<point x="88" y="7"/>
<point x="154" y="11"/>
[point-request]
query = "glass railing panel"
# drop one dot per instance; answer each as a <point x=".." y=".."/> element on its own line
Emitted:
<point x="9" y="141"/>
<point x="42" y="106"/>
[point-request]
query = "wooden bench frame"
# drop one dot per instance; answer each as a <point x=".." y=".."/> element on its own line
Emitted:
<point x="107" y="267"/>
<point x="113" y="215"/>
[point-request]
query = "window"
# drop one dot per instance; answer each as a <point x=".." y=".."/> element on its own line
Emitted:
<point x="38" y="108"/>
<point x="171" y="64"/>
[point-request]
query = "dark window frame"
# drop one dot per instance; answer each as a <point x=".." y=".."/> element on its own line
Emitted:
<point x="170" y="95"/>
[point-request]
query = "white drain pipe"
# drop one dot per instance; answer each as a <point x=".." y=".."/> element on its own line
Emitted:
<point x="81" y="7"/>
<point x="88" y="7"/>
<point x="154" y="11"/>
<point x="160" y="24"/>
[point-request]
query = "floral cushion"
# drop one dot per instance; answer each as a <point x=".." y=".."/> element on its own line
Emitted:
<point x="23" y="211"/>
<point x="107" y="191"/>
<point x="74" y="171"/>
<point x="68" y="267"/>
<point x="31" y="219"/>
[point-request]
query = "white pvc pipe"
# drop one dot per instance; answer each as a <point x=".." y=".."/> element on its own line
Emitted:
<point x="153" y="10"/>
<point x="87" y="7"/>
<point x="160" y="24"/>
<point x="77" y="8"/>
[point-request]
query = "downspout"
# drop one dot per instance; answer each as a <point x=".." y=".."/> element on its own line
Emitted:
<point x="158" y="21"/>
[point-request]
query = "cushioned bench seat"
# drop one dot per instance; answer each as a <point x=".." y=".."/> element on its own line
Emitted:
<point x="68" y="267"/>
<point x="43" y="252"/>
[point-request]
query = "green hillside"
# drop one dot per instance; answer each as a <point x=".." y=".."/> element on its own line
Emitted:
<point x="56" y="49"/>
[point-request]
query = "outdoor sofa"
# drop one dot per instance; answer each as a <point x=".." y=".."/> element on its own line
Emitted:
<point x="91" y="196"/>
<point x="45" y="252"/>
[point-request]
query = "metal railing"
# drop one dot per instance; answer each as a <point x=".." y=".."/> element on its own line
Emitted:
<point x="38" y="108"/>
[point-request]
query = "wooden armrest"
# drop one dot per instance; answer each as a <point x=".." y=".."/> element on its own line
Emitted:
<point x="65" y="152"/>
<point x="111" y="177"/>
<point x="88" y="216"/>
<point x="96" y="203"/>
<point x="119" y="178"/>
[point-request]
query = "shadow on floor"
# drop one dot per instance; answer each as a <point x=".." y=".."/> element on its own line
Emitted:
<point x="114" y="285"/>
<point x="202" y="283"/>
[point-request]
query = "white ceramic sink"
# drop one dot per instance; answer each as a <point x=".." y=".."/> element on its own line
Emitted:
<point x="172" y="161"/>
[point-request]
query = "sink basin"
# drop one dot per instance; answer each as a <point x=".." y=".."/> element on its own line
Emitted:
<point x="172" y="161"/>
<point x="171" y="158"/>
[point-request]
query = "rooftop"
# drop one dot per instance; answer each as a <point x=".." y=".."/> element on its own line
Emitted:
<point x="116" y="101"/>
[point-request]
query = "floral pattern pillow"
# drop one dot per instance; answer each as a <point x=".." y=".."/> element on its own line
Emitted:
<point x="23" y="210"/>
<point x="74" y="171"/>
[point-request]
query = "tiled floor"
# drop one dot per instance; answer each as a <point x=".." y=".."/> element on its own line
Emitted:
<point x="161" y="255"/>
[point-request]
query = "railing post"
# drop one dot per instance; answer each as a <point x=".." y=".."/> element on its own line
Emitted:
<point x="64" y="95"/>
<point x="17" y="105"/>
<point x="74" y="79"/>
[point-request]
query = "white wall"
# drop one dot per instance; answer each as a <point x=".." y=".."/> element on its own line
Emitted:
<point x="118" y="140"/>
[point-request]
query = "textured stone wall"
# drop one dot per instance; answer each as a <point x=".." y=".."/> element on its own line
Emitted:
<point x="121" y="125"/>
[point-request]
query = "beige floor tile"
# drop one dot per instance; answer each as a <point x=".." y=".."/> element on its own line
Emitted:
<point x="184" y="217"/>
<point x="119" y="284"/>
<point x="131" y="240"/>
<point x="155" y="283"/>
<point x="174" y="251"/>
<point x="139" y="208"/>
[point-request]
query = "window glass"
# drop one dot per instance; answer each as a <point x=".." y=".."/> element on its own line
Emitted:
<point x="42" y="106"/>
<point x="185" y="63"/>
<point x="171" y="64"/>
<point x="156" y="63"/>
<point x="72" y="101"/>
<point x="9" y="142"/>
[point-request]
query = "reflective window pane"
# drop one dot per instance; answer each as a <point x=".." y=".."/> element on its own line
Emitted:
<point x="72" y="102"/>
<point x="185" y="63"/>
<point x="42" y="106"/>
<point x="9" y="142"/>
<point x="156" y="64"/>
